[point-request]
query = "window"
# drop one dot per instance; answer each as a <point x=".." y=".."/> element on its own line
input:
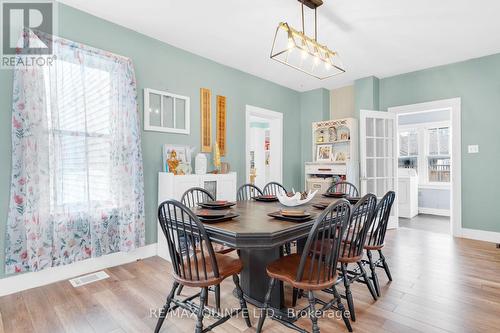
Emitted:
<point x="77" y="186"/>
<point x="438" y="159"/>
<point x="425" y="148"/>
<point x="81" y="136"/>
<point x="408" y="149"/>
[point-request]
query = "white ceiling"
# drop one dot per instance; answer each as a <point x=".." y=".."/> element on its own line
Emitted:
<point x="374" y="37"/>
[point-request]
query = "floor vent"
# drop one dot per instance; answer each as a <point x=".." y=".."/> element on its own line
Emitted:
<point x="86" y="279"/>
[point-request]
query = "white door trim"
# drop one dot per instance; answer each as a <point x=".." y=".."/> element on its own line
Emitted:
<point x="256" y="111"/>
<point x="454" y="105"/>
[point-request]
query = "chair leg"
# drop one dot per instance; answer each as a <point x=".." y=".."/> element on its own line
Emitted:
<point x="217" y="297"/>
<point x="295" y="295"/>
<point x="386" y="267"/>
<point x="367" y="279"/>
<point x="243" y="303"/>
<point x="266" y="304"/>
<point x="199" y="322"/>
<point x="374" y="276"/>
<point x="348" y="294"/>
<point x="166" y="307"/>
<point x="341" y="308"/>
<point x="312" y="309"/>
<point x="288" y="249"/>
<point x="206" y="297"/>
<point x="179" y="290"/>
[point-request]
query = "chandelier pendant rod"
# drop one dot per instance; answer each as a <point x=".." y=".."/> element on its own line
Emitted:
<point x="315" y="25"/>
<point x="303" y="30"/>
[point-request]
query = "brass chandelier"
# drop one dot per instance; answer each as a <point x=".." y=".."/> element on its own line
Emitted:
<point x="295" y="49"/>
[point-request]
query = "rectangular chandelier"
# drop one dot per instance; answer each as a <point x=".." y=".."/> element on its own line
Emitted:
<point x="295" y="49"/>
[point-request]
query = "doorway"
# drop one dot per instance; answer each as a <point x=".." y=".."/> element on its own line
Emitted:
<point x="264" y="146"/>
<point x="429" y="156"/>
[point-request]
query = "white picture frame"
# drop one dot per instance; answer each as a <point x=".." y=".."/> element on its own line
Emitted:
<point x="324" y="153"/>
<point x="159" y="117"/>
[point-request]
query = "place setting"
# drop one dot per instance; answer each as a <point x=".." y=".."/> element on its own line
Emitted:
<point x="217" y="204"/>
<point x="266" y="198"/>
<point x="292" y="215"/>
<point x="215" y="211"/>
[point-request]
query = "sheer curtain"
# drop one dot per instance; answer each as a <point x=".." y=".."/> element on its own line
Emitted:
<point x="77" y="177"/>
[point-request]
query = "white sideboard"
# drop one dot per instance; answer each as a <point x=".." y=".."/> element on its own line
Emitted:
<point x="223" y="186"/>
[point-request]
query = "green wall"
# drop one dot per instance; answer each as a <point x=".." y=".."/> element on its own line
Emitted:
<point x="366" y="94"/>
<point x="163" y="67"/>
<point x="477" y="83"/>
<point x="314" y="106"/>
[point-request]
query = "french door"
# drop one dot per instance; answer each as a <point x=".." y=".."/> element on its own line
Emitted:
<point x="378" y="156"/>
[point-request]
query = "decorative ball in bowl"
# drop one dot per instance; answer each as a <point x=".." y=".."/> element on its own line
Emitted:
<point x="297" y="199"/>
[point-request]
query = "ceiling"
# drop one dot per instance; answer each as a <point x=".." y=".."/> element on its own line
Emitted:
<point x="373" y="37"/>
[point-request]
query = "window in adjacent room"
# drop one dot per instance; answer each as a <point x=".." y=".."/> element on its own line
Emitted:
<point x="438" y="157"/>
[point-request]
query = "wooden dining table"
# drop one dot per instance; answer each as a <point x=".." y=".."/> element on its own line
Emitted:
<point x="259" y="239"/>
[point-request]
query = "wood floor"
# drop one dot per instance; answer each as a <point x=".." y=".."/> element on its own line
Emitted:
<point x="427" y="222"/>
<point x="440" y="284"/>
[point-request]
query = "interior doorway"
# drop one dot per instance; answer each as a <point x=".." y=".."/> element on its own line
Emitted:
<point x="264" y="146"/>
<point x="429" y="156"/>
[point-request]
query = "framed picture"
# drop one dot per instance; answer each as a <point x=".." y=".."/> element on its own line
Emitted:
<point x="340" y="156"/>
<point x="181" y="153"/>
<point x="323" y="153"/>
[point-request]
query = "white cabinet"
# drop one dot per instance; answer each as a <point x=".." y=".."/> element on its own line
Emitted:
<point x="222" y="186"/>
<point x="340" y="137"/>
<point x="407" y="193"/>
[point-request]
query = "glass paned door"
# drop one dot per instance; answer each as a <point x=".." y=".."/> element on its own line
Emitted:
<point x="379" y="156"/>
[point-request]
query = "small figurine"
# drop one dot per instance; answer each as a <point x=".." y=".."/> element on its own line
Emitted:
<point x="173" y="162"/>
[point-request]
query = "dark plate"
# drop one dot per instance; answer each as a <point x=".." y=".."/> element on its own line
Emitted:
<point x="334" y="195"/>
<point x="320" y="206"/>
<point x="266" y="198"/>
<point x="210" y="214"/>
<point x="353" y="200"/>
<point x="277" y="215"/>
<point x="227" y="217"/>
<point x="212" y="205"/>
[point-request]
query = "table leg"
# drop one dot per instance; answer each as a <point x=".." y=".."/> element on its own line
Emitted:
<point x="254" y="279"/>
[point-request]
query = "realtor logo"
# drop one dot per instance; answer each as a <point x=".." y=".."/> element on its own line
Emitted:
<point x="23" y="26"/>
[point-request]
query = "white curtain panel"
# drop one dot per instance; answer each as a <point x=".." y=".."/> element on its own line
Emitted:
<point x="77" y="186"/>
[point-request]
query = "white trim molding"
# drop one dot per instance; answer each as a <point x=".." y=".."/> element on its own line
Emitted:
<point x="454" y="105"/>
<point x="256" y="111"/>
<point x="20" y="282"/>
<point x="434" y="211"/>
<point x="481" y="235"/>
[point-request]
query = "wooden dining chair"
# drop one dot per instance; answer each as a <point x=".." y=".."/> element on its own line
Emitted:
<point x="274" y="188"/>
<point x="311" y="271"/>
<point x="201" y="267"/>
<point x="191" y="198"/>
<point x="195" y="195"/>
<point x="376" y="238"/>
<point x="351" y="249"/>
<point x="247" y="192"/>
<point x="344" y="187"/>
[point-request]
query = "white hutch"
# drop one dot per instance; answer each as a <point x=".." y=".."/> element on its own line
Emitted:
<point x="170" y="186"/>
<point x="338" y="142"/>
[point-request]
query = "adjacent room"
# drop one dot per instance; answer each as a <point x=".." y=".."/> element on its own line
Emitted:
<point x="249" y="166"/>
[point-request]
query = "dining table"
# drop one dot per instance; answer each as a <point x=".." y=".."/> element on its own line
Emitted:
<point x="259" y="240"/>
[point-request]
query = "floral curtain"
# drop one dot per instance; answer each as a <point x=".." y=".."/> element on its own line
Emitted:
<point x="77" y="186"/>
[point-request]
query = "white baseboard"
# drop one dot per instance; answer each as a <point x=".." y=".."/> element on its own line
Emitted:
<point x="20" y="282"/>
<point x="434" y="211"/>
<point x="486" y="236"/>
